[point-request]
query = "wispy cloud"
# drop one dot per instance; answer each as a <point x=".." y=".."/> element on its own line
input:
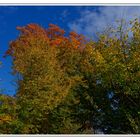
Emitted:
<point x="91" y="21"/>
<point x="65" y="13"/>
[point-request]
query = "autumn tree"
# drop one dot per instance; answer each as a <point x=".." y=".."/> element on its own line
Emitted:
<point x="115" y="69"/>
<point x="46" y="61"/>
<point x="68" y="85"/>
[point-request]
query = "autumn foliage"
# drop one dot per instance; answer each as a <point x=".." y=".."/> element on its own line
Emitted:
<point x="68" y="85"/>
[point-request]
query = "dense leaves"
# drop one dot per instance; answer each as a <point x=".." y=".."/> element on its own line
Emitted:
<point x="68" y="85"/>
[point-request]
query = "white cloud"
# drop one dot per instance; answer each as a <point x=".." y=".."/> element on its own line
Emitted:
<point x="91" y="21"/>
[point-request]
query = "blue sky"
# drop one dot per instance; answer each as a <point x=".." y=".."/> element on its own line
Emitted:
<point x="83" y="19"/>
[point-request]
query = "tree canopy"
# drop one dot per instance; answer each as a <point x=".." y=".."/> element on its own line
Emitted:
<point x="69" y="85"/>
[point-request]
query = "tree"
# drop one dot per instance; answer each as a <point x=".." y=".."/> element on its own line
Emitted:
<point x="116" y="68"/>
<point x="69" y="85"/>
<point x="43" y="59"/>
